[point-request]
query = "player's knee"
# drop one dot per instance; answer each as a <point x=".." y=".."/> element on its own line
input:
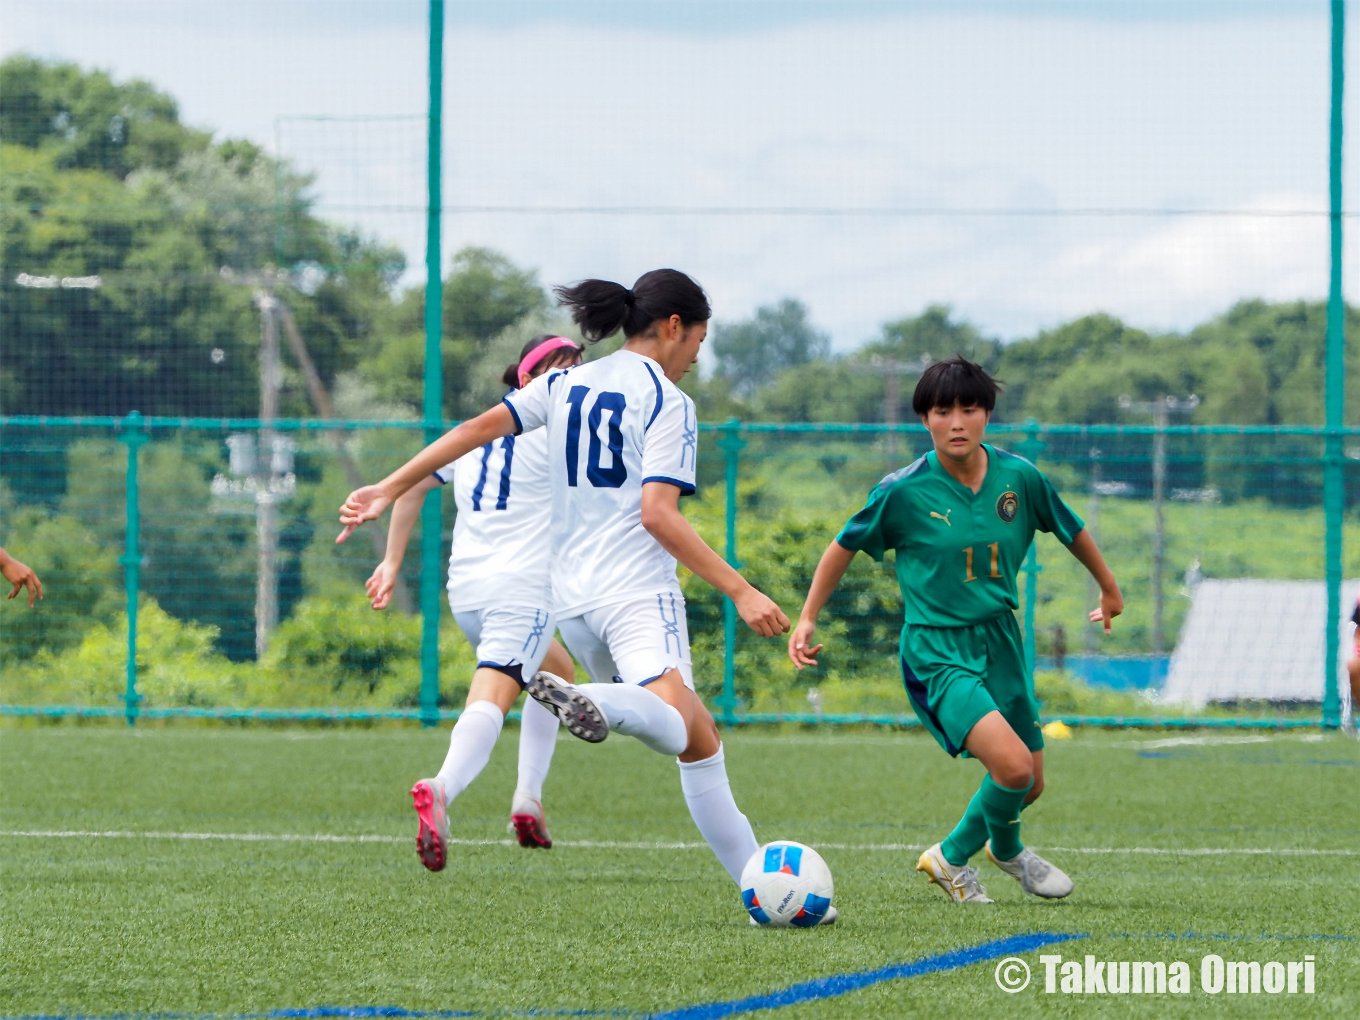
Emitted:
<point x="1035" y="790"/>
<point x="704" y="739"/>
<point x="1014" y="773"/>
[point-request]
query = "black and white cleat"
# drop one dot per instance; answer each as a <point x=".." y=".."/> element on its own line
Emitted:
<point x="581" y="716"/>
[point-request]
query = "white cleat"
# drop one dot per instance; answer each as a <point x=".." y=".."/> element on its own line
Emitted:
<point x="959" y="881"/>
<point x="528" y="825"/>
<point x="1035" y="875"/>
<point x="581" y="716"/>
<point x="828" y="918"/>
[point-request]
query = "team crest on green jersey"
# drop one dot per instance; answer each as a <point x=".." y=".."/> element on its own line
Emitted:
<point x="1007" y="505"/>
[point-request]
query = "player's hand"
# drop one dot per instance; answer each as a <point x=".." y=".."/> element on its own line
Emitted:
<point x="801" y="648"/>
<point x="760" y="613"/>
<point x="366" y="504"/>
<point x="1111" y="605"/>
<point x="21" y="576"/>
<point x="381" y="585"/>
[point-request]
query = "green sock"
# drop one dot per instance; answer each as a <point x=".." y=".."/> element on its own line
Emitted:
<point x="1002" y="806"/>
<point x="968" y="836"/>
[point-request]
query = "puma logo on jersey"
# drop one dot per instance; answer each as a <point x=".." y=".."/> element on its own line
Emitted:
<point x="944" y="516"/>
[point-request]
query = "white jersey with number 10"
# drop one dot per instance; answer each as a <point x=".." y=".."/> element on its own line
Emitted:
<point x="612" y="425"/>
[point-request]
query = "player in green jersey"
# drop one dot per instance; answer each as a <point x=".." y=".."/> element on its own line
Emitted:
<point x="960" y="520"/>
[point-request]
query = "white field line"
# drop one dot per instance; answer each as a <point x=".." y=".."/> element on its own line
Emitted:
<point x="1216" y="740"/>
<point x="284" y="837"/>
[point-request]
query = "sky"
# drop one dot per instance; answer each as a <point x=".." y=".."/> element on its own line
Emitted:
<point x="1016" y="161"/>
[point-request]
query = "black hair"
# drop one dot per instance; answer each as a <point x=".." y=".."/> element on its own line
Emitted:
<point x="561" y="356"/>
<point x="602" y="308"/>
<point x="954" y="381"/>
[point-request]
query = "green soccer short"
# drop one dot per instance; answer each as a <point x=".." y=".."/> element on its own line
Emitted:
<point x="956" y="675"/>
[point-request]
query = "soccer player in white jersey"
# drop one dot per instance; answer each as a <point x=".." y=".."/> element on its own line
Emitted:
<point x="500" y="592"/>
<point x="622" y="439"/>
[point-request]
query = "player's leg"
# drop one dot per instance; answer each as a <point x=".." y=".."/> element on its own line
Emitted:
<point x="941" y="670"/>
<point x="627" y="708"/>
<point x="647" y="643"/>
<point x="1038" y="786"/>
<point x="1348" y="722"/>
<point x="537" y="740"/>
<point x="1009" y="682"/>
<point x="650" y="638"/>
<point x="494" y="689"/>
<point x="1010" y="776"/>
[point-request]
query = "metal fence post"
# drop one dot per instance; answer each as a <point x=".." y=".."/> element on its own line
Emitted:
<point x="431" y="520"/>
<point x="731" y="444"/>
<point x="1333" y="483"/>
<point x="134" y="438"/>
<point x="1030" y="448"/>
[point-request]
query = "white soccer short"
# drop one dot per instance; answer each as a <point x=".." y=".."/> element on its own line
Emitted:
<point x="512" y="639"/>
<point x="632" y="642"/>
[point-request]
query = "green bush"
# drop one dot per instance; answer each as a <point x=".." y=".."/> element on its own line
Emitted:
<point x="176" y="665"/>
<point x="80" y="580"/>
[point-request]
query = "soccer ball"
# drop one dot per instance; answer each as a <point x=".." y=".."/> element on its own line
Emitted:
<point x="786" y="884"/>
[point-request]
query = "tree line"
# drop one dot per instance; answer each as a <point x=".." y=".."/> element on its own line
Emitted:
<point x="102" y="179"/>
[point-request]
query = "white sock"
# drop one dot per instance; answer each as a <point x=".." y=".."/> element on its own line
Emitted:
<point x="637" y="712"/>
<point x="537" y="740"/>
<point x="470" y="744"/>
<point x="715" y="812"/>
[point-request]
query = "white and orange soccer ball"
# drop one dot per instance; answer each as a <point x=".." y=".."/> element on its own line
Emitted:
<point x="786" y="884"/>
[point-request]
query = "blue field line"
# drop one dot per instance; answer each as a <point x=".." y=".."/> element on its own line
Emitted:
<point x="840" y="984"/>
<point x="806" y="991"/>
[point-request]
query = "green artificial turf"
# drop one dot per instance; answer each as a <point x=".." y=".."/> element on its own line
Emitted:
<point x="97" y="925"/>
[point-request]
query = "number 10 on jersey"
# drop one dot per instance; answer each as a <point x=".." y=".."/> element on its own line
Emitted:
<point x="613" y="476"/>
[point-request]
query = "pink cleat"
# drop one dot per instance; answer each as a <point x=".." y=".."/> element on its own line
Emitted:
<point x="432" y="841"/>
<point x="528" y="824"/>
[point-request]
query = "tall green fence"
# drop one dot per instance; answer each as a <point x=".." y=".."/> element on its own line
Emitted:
<point x="191" y="569"/>
<point x="1159" y="169"/>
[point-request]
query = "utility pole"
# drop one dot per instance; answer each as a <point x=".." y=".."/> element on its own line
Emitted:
<point x="321" y="401"/>
<point x="892" y="370"/>
<point x="266" y="504"/>
<point x="1161" y="410"/>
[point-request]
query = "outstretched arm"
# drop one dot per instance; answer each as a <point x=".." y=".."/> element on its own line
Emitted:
<point x="21" y="576"/>
<point x="368" y="503"/>
<point x="661" y="517"/>
<point x="405" y="512"/>
<point x="1084" y="548"/>
<point x="830" y="569"/>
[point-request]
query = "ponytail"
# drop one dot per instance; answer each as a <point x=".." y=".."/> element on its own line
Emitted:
<point x="602" y="308"/>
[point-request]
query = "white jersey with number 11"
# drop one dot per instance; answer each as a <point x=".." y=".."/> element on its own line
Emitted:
<point x="613" y="425"/>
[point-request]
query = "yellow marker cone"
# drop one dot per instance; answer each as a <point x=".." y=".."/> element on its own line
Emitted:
<point x="1058" y="730"/>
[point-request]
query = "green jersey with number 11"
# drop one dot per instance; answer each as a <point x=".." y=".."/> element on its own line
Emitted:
<point x="958" y="552"/>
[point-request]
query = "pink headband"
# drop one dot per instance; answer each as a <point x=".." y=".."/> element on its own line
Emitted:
<point x="540" y="352"/>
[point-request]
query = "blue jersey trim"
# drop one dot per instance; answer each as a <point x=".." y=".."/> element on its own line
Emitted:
<point x="659" y="396"/>
<point x="686" y="489"/>
<point x="519" y="425"/>
<point x="902" y="473"/>
<point x="920" y="698"/>
<point x="514" y="670"/>
<point x="439" y="478"/>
